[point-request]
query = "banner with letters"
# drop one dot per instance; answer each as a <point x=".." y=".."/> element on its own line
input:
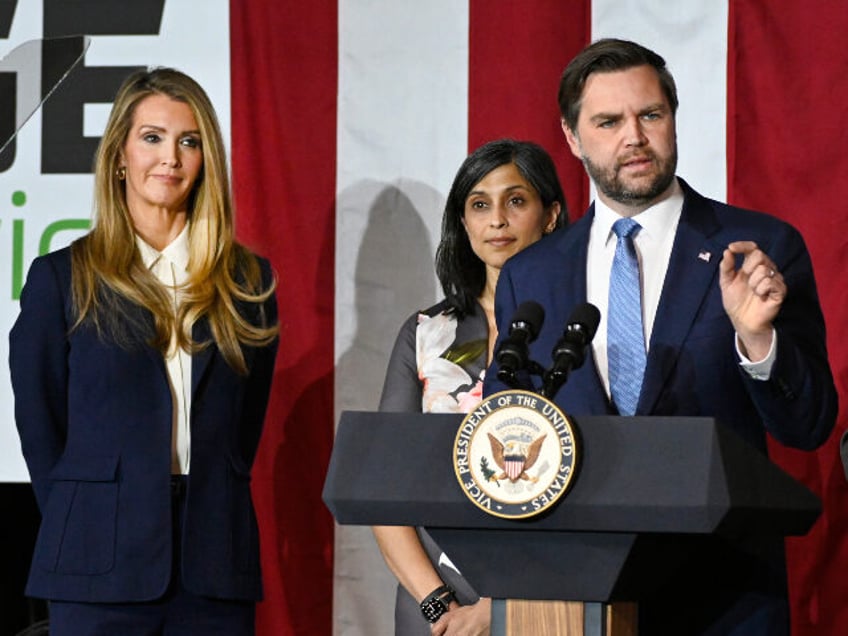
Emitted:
<point x="45" y="171"/>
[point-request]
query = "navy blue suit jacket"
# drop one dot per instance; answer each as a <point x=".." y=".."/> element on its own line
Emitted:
<point x="692" y="366"/>
<point x="95" y="425"/>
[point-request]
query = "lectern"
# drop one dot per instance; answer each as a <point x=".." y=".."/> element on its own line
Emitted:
<point x="648" y="489"/>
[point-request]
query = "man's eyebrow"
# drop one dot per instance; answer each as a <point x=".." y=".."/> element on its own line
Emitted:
<point x="655" y="107"/>
<point x="605" y="117"/>
<point x="610" y="116"/>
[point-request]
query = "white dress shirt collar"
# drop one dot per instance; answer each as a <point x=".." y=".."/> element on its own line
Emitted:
<point x="657" y="221"/>
<point x="176" y="251"/>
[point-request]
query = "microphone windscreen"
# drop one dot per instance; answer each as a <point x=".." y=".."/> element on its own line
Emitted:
<point x="532" y="314"/>
<point x="588" y="316"/>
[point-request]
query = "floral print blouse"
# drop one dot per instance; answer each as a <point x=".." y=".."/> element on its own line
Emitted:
<point x="438" y="363"/>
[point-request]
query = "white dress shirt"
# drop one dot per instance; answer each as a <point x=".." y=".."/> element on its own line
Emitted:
<point x="170" y="266"/>
<point x="653" y="245"/>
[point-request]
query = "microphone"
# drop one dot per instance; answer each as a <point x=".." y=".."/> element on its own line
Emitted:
<point x="570" y="352"/>
<point x="512" y="354"/>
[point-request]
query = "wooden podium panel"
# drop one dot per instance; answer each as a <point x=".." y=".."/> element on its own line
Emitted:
<point x="566" y="618"/>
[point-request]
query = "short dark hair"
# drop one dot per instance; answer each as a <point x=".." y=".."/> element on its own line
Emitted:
<point x="605" y="56"/>
<point x="461" y="272"/>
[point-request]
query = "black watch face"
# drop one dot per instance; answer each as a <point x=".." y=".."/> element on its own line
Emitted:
<point x="433" y="609"/>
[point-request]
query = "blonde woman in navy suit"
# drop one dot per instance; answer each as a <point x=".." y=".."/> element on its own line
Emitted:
<point x="141" y="364"/>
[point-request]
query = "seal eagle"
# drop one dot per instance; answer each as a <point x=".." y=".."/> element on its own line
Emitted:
<point x="514" y="458"/>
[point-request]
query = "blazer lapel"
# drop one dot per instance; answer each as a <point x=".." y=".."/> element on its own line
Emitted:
<point x="691" y="275"/>
<point x="585" y="390"/>
<point x="200" y="360"/>
<point x="140" y="323"/>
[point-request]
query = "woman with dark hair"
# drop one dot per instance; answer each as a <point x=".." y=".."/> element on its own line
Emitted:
<point x="505" y="196"/>
<point x="141" y="364"/>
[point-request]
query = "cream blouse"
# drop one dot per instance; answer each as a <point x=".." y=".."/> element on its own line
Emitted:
<point x="170" y="266"/>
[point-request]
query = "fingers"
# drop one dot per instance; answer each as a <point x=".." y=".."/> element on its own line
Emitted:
<point x="727" y="265"/>
<point x="765" y="280"/>
<point x="760" y="272"/>
<point x="465" y="620"/>
<point x="742" y="247"/>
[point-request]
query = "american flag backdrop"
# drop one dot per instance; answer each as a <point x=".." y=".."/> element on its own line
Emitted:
<point x="349" y="120"/>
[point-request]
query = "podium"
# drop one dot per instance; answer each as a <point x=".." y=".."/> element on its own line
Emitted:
<point x="648" y="491"/>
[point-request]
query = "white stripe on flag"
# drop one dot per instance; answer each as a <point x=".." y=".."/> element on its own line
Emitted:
<point x="402" y="133"/>
<point x="692" y="37"/>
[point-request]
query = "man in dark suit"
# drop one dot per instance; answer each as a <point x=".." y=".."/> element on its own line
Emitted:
<point x="727" y="318"/>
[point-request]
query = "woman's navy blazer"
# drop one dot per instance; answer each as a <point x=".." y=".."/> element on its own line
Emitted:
<point x="95" y="425"/>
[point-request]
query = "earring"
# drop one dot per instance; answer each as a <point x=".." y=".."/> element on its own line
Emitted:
<point x="121" y="173"/>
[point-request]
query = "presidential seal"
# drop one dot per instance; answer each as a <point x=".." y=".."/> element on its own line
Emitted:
<point x="515" y="454"/>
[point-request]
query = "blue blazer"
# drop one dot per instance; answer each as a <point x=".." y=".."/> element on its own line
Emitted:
<point x="94" y="420"/>
<point x="693" y="369"/>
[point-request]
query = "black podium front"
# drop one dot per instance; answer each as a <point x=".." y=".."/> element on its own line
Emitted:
<point x="647" y="490"/>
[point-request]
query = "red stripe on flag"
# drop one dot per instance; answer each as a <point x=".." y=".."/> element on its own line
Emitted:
<point x="517" y="53"/>
<point x="786" y="155"/>
<point x="284" y="85"/>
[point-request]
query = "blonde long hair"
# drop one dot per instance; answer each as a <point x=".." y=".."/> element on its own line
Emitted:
<point x="223" y="275"/>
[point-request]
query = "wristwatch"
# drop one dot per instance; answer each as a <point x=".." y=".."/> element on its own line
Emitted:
<point x="436" y="603"/>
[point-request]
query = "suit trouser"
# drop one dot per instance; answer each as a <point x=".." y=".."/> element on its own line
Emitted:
<point x="177" y="613"/>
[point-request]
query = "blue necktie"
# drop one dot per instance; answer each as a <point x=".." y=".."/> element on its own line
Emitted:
<point x="625" y="335"/>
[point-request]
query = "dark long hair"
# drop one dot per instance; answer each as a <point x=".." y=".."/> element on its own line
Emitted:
<point x="460" y="271"/>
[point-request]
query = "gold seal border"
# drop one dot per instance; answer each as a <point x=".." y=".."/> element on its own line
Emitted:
<point x="470" y="426"/>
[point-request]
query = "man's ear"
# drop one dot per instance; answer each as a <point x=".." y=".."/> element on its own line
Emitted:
<point x="572" y="139"/>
